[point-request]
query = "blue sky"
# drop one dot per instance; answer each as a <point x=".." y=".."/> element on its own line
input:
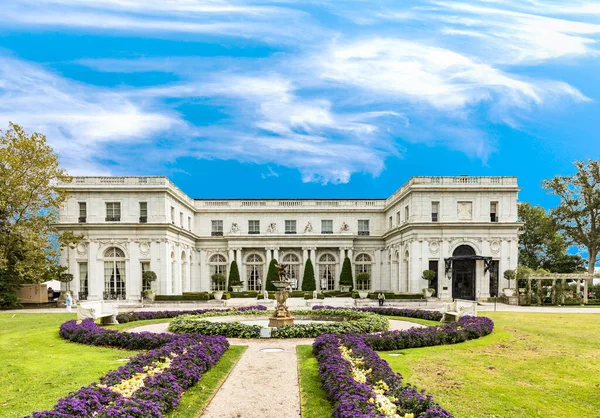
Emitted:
<point x="308" y="98"/>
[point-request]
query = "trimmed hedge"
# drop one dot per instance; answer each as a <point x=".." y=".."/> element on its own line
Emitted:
<point x="142" y="316"/>
<point x="391" y="296"/>
<point x="390" y="311"/>
<point x="308" y="278"/>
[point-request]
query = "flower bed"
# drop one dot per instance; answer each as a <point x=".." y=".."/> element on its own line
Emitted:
<point x="150" y="384"/>
<point x="142" y="316"/>
<point x="341" y="322"/>
<point x="360" y="384"/>
<point x="406" y="312"/>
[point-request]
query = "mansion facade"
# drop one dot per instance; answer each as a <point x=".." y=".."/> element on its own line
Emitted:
<point x="464" y="228"/>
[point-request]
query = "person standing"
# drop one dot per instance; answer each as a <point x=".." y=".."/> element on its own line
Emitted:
<point x="69" y="302"/>
<point x="381" y="298"/>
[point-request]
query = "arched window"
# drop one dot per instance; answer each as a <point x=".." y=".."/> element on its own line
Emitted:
<point x="292" y="267"/>
<point x="183" y="278"/>
<point x="218" y="265"/>
<point x="407" y="271"/>
<point x="327" y="265"/>
<point x="362" y="264"/>
<point x="114" y="274"/>
<point x="173" y="272"/>
<point x="254" y="268"/>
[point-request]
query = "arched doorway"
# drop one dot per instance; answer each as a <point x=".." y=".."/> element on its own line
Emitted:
<point x="292" y="268"/>
<point x="463" y="273"/>
<point x="254" y="267"/>
<point x="327" y="265"/>
<point x="114" y="274"/>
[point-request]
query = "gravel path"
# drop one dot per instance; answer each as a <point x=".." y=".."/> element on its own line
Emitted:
<point x="262" y="384"/>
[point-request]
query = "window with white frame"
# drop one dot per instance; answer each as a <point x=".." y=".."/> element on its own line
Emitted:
<point x="290" y="227"/>
<point x="326" y="226"/>
<point x="254" y="271"/>
<point x="172" y="214"/>
<point x="435" y="211"/>
<point x="363" y="263"/>
<point x="143" y="212"/>
<point x="113" y="211"/>
<point x="292" y="268"/>
<point x="494" y="211"/>
<point x="254" y="227"/>
<point x="82" y="212"/>
<point x="406" y="213"/>
<point x="363" y="227"/>
<point x="145" y="267"/>
<point x="114" y="274"/>
<point x="327" y="264"/>
<point x="218" y="265"/>
<point x="390" y="223"/>
<point x="83" y="281"/>
<point x="189" y="223"/>
<point x="398" y="218"/>
<point x="181" y="219"/>
<point x="216" y="228"/>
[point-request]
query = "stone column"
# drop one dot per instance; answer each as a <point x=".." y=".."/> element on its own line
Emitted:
<point x="351" y="257"/>
<point x="276" y="254"/>
<point x="337" y="279"/>
<point x="376" y="271"/>
<point x="165" y="268"/>
<point x="177" y="279"/>
<point x="303" y="264"/>
<point x="133" y="284"/>
<point x="230" y="257"/>
<point x="268" y="257"/>
<point x="95" y="273"/>
<point x="203" y="280"/>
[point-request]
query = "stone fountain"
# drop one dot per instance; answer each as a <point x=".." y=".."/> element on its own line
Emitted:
<point x="282" y="315"/>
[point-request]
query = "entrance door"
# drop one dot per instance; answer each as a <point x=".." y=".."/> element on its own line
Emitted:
<point x="463" y="274"/>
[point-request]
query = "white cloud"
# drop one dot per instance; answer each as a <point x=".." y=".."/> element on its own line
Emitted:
<point x="78" y="120"/>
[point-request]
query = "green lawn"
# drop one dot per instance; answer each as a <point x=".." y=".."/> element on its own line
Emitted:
<point x="312" y="397"/>
<point x="38" y="367"/>
<point x="533" y="365"/>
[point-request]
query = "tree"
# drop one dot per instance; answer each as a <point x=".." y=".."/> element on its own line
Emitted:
<point x="578" y="214"/>
<point x="541" y="244"/>
<point x="346" y="274"/>
<point x="308" y="279"/>
<point x="29" y="205"/>
<point x="272" y="276"/>
<point x="234" y="275"/>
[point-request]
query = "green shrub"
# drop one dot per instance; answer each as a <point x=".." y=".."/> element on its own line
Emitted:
<point x="234" y="275"/>
<point x="272" y="276"/>
<point x="245" y="294"/>
<point x="309" y="295"/>
<point x="428" y="275"/>
<point x="346" y="274"/>
<point x="308" y="279"/>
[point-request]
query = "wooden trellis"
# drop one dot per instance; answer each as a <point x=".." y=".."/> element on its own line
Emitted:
<point x="579" y="278"/>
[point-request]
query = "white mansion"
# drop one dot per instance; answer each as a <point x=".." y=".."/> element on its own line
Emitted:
<point x="464" y="228"/>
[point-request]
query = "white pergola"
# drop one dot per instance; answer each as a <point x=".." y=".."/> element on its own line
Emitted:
<point x="579" y="278"/>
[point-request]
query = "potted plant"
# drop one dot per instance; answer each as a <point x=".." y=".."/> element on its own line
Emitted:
<point x="219" y="283"/>
<point x="147" y="278"/>
<point x="235" y="283"/>
<point x="509" y="275"/>
<point x="428" y="275"/>
<point x="363" y="281"/>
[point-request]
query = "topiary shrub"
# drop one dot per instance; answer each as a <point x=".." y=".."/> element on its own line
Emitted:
<point x="234" y="275"/>
<point x="346" y="274"/>
<point x="308" y="279"/>
<point x="272" y="276"/>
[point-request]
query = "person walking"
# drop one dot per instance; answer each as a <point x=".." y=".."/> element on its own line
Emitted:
<point x="68" y="302"/>
<point x="381" y="298"/>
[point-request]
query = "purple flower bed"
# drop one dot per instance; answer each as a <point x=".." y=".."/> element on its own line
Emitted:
<point x="142" y="316"/>
<point x="467" y="328"/>
<point x="350" y="398"/>
<point x="406" y="312"/>
<point x="191" y="355"/>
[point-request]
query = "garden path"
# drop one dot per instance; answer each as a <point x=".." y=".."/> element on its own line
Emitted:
<point x="262" y="384"/>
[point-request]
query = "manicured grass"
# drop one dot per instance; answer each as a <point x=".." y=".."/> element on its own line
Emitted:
<point x="38" y="367"/>
<point x="312" y="397"/>
<point x="196" y="399"/>
<point x="533" y="365"/>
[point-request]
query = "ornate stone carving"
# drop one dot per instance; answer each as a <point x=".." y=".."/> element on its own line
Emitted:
<point x="495" y="246"/>
<point x="272" y="228"/>
<point x="235" y="228"/>
<point x="308" y="228"/>
<point x="82" y="248"/>
<point x="144" y="247"/>
<point x="345" y="227"/>
<point x="434" y="247"/>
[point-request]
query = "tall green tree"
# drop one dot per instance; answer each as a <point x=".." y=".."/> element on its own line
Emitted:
<point x="234" y="275"/>
<point x="541" y="244"/>
<point x="308" y="278"/>
<point x="29" y="205"/>
<point x="346" y="274"/>
<point x="578" y="214"/>
<point x="272" y="276"/>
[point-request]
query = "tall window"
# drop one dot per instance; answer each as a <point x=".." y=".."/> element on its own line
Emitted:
<point x="327" y="271"/>
<point x="145" y="267"/>
<point x="406" y="213"/>
<point x="189" y="223"/>
<point x="181" y="219"/>
<point x="218" y="265"/>
<point x="114" y="274"/>
<point x="363" y="227"/>
<point x="113" y="211"/>
<point x="172" y="215"/>
<point x="216" y="228"/>
<point x="83" y="281"/>
<point x="254" y="227"/>
<point x="494" y="211"/>
<point x="143" y="212"/>
<point x="326" y="226"/>
<point x="390" y="225"/>
<point x="398" y="218"/>
<point x="82" y="212"/>
<point x="292" y="267"/>
<point x="290" y="227"/>
<point x="435" y="210"/>
<point x="183" y="278"/>
<point x="254" y="268"/>
<point x="363" y="264"/>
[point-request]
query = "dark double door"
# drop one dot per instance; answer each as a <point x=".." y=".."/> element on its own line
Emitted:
<point x="463" y="279"/>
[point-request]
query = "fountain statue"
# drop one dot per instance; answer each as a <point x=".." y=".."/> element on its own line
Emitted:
<point x="282" y="315"/>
